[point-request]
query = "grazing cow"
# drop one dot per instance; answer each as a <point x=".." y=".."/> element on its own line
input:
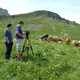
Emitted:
<point x="50" y="38"/>
<point x="79" y="43"/>
<point x="54" y="38"/>
<point x="67" y="40"/>
<point x="44" y="37"/>
<point x="75" y="43"/>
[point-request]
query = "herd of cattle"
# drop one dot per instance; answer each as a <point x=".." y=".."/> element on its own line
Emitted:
<point x="51" y="38"/>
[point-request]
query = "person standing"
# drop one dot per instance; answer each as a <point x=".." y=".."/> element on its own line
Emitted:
<point x="8" y="41"/>
<point x="18" y="37"/>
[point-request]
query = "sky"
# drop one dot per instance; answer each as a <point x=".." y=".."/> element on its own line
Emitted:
<point x="68" y="9"/>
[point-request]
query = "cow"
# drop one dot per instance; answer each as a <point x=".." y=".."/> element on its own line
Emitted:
<point x="67" y="40"/>
<point x="75" y="43"/>
<point x="79" y="43"/>
<point x="54" y="39"/>
<point x="44" y="37"/>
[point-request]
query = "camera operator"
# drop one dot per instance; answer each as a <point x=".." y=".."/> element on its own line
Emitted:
<point x="18" y="37"/>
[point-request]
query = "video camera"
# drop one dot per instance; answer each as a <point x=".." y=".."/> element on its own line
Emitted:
<point x="27" y="45"/>
<point x="27" y="34"/>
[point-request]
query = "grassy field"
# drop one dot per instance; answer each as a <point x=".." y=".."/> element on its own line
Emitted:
<point x="51" y="61"/>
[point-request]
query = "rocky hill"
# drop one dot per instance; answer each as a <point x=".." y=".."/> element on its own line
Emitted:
<point x="52" y="15"/>
<point x="44" y="14"/>
<point x="3" y="12"/>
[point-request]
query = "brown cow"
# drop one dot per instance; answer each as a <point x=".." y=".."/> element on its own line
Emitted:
<point x="75" y="43"/>
<point x="67" y="40"/>
<point x="54" y="38"/>
<point x="79" y="43"/>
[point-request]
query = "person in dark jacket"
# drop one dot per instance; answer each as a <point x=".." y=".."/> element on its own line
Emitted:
<point x="8" y="41"/>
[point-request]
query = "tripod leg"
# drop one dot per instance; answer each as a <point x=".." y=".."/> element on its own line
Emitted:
<point x="31" y="50"/>
<point x="22" y="50"/>
<point x="27" y="50"/>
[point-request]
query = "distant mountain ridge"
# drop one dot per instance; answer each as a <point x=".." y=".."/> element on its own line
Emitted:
<point x="3" y="11"/>
<point x="44" y="13"/>
<point x="47" y="14"/>
<point x="50" y="14"/>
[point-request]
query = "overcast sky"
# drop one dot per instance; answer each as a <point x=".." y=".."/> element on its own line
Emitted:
<point x="68" y="9"/>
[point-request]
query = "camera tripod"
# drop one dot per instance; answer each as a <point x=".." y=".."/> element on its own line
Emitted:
<point x="27" y="46"/>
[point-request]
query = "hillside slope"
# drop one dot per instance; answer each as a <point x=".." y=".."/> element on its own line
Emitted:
<point x="51" y="61"/>
<point x="44" y="22"/>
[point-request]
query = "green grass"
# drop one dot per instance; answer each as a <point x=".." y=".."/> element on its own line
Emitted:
<point x="51" y="61"/>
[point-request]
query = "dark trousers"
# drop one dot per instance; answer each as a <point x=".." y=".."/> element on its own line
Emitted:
<point x="8" y="49"/>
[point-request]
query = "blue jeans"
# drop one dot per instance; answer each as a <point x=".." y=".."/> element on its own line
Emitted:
<point x="8" y="49"/>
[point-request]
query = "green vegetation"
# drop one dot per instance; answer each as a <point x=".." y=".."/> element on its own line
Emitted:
<point x="51" y="61"/>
